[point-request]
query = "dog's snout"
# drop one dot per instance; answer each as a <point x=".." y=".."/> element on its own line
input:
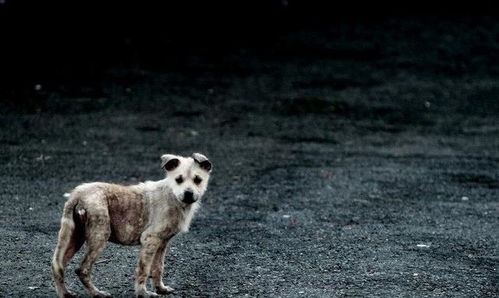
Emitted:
<point x="189" y="197"/>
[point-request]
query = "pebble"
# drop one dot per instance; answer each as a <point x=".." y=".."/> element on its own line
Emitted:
<point x="423" y="245"/>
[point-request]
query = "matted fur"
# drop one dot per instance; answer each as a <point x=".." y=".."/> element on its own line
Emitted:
<point x="148" y="214"/>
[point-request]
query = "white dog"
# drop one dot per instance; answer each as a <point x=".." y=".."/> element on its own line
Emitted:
<point x="149" y="213"/>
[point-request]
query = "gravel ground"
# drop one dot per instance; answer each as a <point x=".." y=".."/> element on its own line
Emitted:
<point x="359" y="161"/>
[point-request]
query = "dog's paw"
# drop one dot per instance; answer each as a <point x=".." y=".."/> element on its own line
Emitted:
<point x="164" y="290"/>
<point x="102" y="294"/>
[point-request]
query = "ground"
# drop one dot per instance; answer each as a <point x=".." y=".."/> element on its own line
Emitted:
<point x="356" y="160"/>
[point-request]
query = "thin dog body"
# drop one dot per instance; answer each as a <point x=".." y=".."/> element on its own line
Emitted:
<point x="148" y="214"/>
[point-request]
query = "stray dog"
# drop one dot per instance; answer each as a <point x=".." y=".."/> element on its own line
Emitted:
<point x="149" y="213"/>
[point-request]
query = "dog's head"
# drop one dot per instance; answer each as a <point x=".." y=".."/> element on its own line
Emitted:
<point x="187" y="176"/>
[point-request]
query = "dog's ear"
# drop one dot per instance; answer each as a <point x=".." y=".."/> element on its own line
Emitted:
<point x="169" y="162"/>
<point x="203" y="161"/>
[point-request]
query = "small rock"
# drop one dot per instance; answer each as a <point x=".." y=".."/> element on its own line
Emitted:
<point x="423" y="245"/>
<point x="465" y="199"/>
<point x="43" y="157"/>
<point x="33" y="288"/>
<point x="286" y="216"/>
<point x="38" y="87"/>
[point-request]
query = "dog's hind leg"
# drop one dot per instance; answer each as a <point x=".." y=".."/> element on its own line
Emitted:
<point x="97" y="231"/>
<point x="77" y="240"/>
<point x="69" y="242"/>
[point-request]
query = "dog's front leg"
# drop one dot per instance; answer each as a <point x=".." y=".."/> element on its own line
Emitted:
<point x="158" y="269"/>
<point x="150" y="245"/>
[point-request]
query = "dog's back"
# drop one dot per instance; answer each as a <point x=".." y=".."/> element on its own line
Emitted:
<point x="124" y="206"/>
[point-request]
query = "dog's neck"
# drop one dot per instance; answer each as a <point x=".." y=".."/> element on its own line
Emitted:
<point x="161" y="199"/>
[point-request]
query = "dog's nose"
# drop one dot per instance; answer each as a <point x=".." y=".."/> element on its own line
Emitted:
<point x="189" y="197"/>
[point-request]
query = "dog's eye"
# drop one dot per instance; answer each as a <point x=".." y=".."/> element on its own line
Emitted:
<point x="179" y="179"/>
<point x="197" y="180"/>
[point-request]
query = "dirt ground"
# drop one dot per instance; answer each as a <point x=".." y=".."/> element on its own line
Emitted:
<point x="357" y="160"/>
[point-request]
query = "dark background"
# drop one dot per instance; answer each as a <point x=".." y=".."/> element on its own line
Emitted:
<point x="77" y="42"/>
<point x="355" y="146"/>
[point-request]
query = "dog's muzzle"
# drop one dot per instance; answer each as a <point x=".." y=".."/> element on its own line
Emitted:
<point x="189" y="197"/>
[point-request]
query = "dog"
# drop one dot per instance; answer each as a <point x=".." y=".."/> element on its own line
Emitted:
<point x="148" y="214"/>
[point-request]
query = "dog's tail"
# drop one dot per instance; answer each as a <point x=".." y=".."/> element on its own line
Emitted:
<point x="65" y="248"/>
